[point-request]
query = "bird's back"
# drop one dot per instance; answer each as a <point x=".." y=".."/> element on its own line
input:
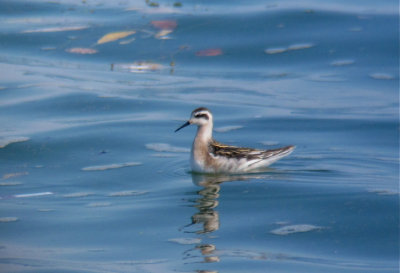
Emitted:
<point x="238" y="159"/>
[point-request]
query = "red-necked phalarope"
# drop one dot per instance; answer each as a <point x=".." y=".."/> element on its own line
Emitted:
<point x="210" y="156"/>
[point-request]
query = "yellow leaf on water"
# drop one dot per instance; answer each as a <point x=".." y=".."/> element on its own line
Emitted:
<point x="163" y="34"/>
<point x="113" y="36"/>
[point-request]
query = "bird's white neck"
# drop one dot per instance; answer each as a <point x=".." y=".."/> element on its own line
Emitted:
<point x="204" y="133"/>
<point x="199" y="153"/>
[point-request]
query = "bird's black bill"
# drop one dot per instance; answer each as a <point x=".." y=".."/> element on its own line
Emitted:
<point x="183" y="126"/>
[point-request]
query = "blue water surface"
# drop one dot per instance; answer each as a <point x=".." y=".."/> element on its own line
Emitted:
<point x="94" y="179"/>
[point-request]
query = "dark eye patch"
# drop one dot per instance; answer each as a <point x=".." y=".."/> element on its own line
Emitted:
<point x="205" y="116"/>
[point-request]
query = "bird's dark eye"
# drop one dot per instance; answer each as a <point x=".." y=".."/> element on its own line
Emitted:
<point x="205" y="116"/>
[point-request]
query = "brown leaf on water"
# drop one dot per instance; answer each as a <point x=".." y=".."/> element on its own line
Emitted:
<point x="165" y="24"/>
<point x="113" y="36"/>
<point x="81" y="50"/>
<point x="209" y="52"/>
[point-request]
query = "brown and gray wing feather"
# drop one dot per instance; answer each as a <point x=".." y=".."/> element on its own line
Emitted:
<point x="219" y="149"/>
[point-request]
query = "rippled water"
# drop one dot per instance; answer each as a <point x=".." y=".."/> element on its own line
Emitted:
<point x="94" y="179"/>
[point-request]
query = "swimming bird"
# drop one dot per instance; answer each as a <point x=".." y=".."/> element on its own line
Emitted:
<point x="210" y="156"/>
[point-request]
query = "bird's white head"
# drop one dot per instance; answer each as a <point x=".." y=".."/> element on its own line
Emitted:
<point x="201" y="117"/>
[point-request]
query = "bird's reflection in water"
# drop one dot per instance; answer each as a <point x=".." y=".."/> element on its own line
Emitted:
<point x="206" y="204"/>
<point x="207" y="216"/>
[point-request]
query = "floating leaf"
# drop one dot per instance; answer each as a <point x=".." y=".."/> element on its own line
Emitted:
<point x="113" y="36"/>
<point x="165" y="24"/>
<point x="209" y="52"/>
<point x="163" y="34"/>
<point x="81" y="50"/>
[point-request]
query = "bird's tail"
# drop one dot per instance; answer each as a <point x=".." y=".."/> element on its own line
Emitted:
<point x="271" y="156"/>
